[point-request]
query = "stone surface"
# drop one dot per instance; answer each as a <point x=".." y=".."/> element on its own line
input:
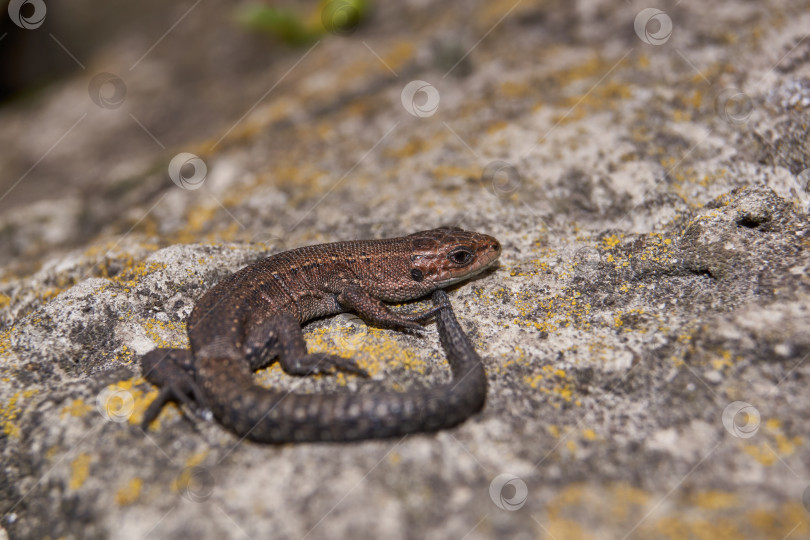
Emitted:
<point x="645" y="335"/>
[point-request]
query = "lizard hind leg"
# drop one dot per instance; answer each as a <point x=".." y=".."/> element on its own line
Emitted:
<point x="172" y="370"/>
<point x="280" y="336"/>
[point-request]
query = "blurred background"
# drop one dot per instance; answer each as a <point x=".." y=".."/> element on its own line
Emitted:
<point x="95" y="97"/>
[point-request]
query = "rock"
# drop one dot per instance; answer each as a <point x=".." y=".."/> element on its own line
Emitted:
<point x="645" y="336"/>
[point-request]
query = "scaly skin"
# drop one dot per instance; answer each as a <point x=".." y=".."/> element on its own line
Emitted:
<point x="253" y="317"/>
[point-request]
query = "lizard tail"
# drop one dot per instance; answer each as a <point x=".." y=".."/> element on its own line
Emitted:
<point x="270" y="416"/>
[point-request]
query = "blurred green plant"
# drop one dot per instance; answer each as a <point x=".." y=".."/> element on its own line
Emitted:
<point x="339" y="17"/>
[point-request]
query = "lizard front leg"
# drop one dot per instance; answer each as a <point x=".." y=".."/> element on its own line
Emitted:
<point x="375" y="312"/>
<point x="279" y="335"/>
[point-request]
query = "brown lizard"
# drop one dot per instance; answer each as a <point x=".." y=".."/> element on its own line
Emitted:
<point x="254" y="316"/>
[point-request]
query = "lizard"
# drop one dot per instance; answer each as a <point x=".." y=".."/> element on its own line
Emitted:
<point x="253" y="317"/>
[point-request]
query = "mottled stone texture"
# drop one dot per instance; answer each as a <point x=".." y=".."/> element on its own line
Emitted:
<point x="645" y="337"/>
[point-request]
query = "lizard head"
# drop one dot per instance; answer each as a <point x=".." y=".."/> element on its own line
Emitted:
<point x="440" y="257"/>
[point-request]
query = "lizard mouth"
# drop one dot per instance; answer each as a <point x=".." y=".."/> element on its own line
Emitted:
<point x="454" y="280"/>
<point x="457" y="279"/>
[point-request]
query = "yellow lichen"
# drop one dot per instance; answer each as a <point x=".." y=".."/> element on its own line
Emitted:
<point x="126" y="398"/>
<point x="169" y="335"/>
<point x="77" y="408"/>
<point x="11" y="410"/>
<point x="622" y="508"/>
<point x="79" y="470"/>
<point x="129" y="493"/>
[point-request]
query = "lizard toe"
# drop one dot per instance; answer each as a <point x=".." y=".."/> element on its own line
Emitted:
<point x="314" y="363"/>
<point x="182" y="389"/>
<point x="411" y="326"/>
<point x="348" y="365"/>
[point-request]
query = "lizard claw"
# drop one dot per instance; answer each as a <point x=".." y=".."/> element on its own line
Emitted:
<point x="181" y="390"/>
<point x="170" y="370"/>
<point x="412" y="327"/>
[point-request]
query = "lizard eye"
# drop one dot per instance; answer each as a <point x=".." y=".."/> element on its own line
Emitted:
<point x="417" y="274"/>
<point x="460" y="256"/>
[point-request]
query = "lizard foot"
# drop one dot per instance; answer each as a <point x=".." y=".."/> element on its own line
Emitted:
<point x="179" y="392"/>
<point x="169" y="369"/>
<point x="411" y="327"/>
